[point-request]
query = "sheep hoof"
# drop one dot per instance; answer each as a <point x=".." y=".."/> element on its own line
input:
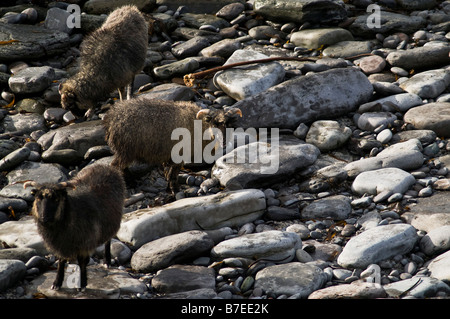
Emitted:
<point x="55" y="287"/>
<point x="82" y="289"/>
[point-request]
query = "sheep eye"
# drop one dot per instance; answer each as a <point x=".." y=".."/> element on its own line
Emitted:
<point x="208" y="118"/>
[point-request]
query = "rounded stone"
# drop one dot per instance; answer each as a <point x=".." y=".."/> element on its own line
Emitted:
<point x="328" y="135"/>
<point x="431" y="116"/>
<point x="279" y="280"/>
<point x="372" y="64"/>
<point x="376" y="244"/>
<point x="390" y="179"/>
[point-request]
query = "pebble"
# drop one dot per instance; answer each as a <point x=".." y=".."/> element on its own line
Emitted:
<point x="372" y="64"/>
<point x="328" y="135"/>
<point x="360" y="138"/>
<point x="384" y="136"/>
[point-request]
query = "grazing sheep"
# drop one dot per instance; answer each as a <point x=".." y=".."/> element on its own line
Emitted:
<point x="110" y="58"/>
<point x="141" y="130"/>
<point x="77" y="216"/>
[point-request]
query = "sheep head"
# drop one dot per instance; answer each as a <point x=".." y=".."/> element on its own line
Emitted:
<point x="49" y="200"/>
<point x="69" y="98"/>
<point x="220" y="119"/>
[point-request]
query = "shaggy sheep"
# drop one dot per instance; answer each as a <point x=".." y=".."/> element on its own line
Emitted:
<point x="77" y="216"/>
<point x="141" y="130"/>
<point x="110" y="58"/>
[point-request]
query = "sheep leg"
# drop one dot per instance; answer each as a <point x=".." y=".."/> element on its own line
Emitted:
<point x="130" y="89"/>
<point x="120" y="93"/>
<point x="89" y="113"/>
<point x="108" y="253"/>
<point x="171" y="174"/>
<point x="82" y="262"/>
<point x="59" y="275"/>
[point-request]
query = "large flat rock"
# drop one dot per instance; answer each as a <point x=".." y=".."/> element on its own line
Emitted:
<point x="279" y="279"/>
<point x="377" y="244"/>
<point x="426" y="56"/>
<point x="277" y="246"/>
<point x="31" y="42"/>
<point x="304" y="99"/>
<point x="315" y="38"/>
<point x="102" y="284"/>
<point x="229" y="209"/>
<point x="22" y="234"/>
<point x="106" y="6"/>
<point x="431" y="116"/>
<point x="262" y="163"/>
<point x="245" y="81"/>
<point x="429" y="212"/>
<point x="301" y="10"/>
<point x="428" y="84"/>
<point x="79" y="137"/>
<point x="389" y="22"/>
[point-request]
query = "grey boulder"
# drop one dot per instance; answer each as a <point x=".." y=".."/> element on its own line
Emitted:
<point x="325" y="95"/>
<point x="274" y="245"/>
<point x="377" y="244"/>
<point x="431" y="116"/>
<point x="263" y="162"/>
<point x="31" y="42"/>
<point x="170" y="250"/>
<point x="301" y="11"/>
<point x="227" y="209"/>
<point x="279" y="279"/>
<point x="245" y="81"/>
<point x="390" y="179"/>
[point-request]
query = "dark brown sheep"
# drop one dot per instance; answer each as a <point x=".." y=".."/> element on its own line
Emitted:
<point x="77" y="216"/>
<point x="110" y="58"/>
<point x="141" y="130"/>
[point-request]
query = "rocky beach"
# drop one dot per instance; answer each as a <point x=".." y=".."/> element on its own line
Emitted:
<point x="336" y="184"/>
